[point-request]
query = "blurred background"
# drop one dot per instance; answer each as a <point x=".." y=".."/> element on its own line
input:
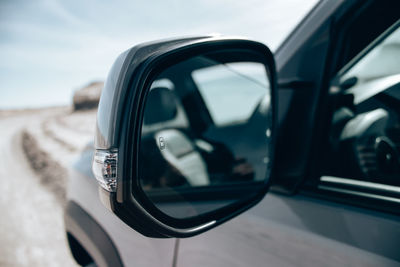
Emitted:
<point x="54" y="57"/>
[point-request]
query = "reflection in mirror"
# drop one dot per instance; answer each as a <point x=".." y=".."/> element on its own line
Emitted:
<point x="207" y="124"/>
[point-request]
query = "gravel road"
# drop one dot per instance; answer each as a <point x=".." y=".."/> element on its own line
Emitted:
<point x="31" y="224"/>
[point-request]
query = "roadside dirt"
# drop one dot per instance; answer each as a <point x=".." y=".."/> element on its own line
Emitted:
<point x="31" y="225"/>
<point x="51" y="143"/>
<point x="33" y="175"/>
<point x="51" y="174"/>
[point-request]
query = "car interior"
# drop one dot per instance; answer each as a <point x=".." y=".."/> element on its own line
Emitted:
<point x="365" y="135"/>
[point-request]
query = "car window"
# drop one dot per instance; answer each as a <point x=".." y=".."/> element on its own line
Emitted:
<point x="364" y="141"/>
<point x="231" y="91"/>
<point x="380" y="62"/>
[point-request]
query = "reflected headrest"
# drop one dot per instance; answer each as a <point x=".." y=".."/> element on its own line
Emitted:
<point x="160" y="106"/>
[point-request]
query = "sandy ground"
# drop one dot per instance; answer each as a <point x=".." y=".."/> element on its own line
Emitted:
<point x="33" y="193"/>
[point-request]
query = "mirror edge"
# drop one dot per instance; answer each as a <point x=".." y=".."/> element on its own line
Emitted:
<point x="123" y="202"/>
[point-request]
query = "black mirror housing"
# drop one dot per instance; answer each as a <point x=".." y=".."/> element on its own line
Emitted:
<point x="118" y="139"/>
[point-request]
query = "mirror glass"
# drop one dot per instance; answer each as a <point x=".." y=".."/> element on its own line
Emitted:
<point x="206" y="133"/>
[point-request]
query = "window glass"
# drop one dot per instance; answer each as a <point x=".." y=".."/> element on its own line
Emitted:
<point x="365" y="132"/>
<point x="381" y="64"/>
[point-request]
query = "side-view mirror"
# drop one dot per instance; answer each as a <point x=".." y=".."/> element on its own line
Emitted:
<point x="186" y="133"/>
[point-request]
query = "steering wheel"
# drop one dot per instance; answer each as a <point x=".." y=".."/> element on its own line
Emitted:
<point x="363" y="141"/>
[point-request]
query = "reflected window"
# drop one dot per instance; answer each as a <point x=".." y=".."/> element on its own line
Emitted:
<point x="231" y="91"/>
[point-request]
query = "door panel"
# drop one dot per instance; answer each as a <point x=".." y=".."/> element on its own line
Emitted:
<point x="133" y="248"/>
<point x="297" y="231"/>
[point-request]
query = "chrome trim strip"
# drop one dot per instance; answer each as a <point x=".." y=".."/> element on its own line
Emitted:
<point x="362" y="184"/>
<point x="351" y="192"/>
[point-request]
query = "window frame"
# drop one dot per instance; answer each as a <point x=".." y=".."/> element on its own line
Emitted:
<point x="363" y="194"/>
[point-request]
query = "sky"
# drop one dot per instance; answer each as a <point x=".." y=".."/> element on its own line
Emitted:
<point x="49" y="49"/>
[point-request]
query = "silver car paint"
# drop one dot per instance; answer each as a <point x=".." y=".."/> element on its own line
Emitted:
<point x="297" y="231"/>
<point x="133" y="248"/>
<point x="279" y="231"/>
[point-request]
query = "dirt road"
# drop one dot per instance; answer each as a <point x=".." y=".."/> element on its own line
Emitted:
<point x="31" y="222"/>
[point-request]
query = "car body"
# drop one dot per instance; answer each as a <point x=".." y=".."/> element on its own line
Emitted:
<point x="312" y="215"/>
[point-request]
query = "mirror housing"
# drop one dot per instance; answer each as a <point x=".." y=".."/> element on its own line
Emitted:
<point x="119" y="126"/>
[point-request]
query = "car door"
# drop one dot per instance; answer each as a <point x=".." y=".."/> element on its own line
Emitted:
<point x="337" y="217"/>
